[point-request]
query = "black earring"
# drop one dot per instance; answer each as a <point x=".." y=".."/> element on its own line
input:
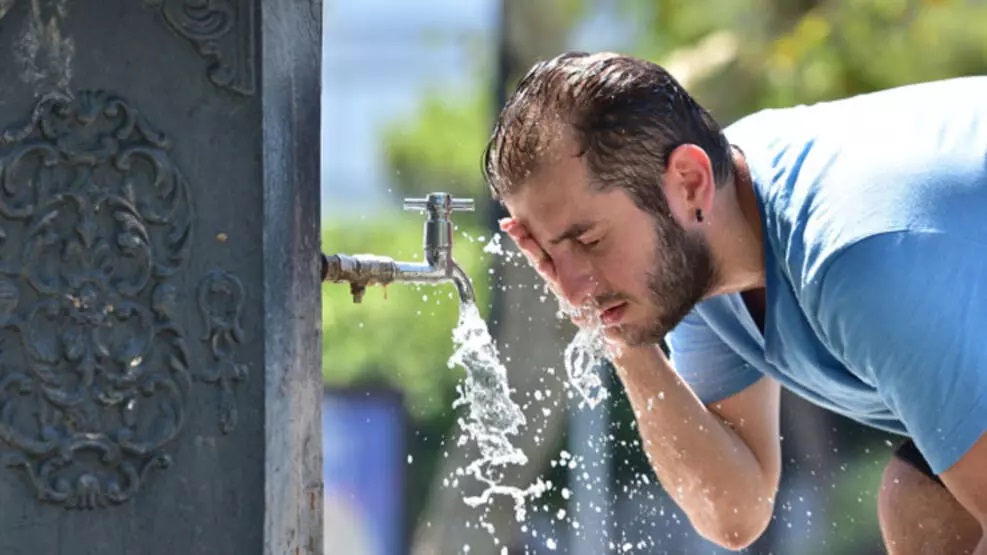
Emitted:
<point x="699" y="215"/>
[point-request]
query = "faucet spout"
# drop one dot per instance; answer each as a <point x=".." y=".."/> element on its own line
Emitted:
<point x="463" y="285"/>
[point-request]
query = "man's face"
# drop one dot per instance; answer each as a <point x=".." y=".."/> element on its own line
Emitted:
<point x="640" y="274"/>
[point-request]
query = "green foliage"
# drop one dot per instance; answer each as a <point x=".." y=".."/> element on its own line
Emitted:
<point x="843" y="48"/>
<point x="807" y="51"/>
<point x="671" y="24"/>
<point x="440" y="147"/>
<point x="400" y="336"/>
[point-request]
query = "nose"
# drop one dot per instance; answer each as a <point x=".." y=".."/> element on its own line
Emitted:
<point x="576" y="278"/>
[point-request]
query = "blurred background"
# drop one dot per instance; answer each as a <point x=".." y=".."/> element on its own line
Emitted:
<point x="410" y="93"/>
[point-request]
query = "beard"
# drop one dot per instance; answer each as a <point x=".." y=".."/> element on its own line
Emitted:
<point x="682" y="274"/>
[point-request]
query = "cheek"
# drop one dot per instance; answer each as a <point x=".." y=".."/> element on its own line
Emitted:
<point x="627" y="271"/>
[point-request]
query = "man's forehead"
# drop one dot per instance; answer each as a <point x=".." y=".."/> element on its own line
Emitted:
<point x="555" y="196"/>
<point x="542" y="201"/>
<point x="551" y="218"/>
<point x="552" y="186"/>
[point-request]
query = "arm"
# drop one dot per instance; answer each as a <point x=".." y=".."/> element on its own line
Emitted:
<point x="967" y="480"/>
<point x="720" y="463"/>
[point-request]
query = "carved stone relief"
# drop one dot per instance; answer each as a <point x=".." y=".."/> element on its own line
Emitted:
<point x="221" y="303"/>
<point x="222" y="31"/>
<point x="95" y="368"/>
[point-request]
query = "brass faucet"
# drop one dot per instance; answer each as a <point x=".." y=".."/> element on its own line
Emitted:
<point x="361" y="270"/>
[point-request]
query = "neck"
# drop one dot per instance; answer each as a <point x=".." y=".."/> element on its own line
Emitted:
<point x="739" y="247"/>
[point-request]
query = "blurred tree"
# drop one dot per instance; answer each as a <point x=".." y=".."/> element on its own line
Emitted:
<point x="791" y="52"/>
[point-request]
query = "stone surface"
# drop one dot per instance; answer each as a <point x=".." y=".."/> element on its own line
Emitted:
<point x="160" y="377"/>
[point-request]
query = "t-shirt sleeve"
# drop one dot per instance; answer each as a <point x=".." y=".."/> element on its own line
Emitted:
<point x="908" y="311"/>
<point x="712" y="369"/>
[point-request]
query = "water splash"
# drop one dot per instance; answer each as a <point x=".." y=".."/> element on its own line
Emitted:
<point x="585" y="354"/>
<point x="583" y="357"/>
<point x="492" y="415"/>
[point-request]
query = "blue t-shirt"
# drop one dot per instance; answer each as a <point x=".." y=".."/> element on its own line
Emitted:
<point x="874" y="214"/>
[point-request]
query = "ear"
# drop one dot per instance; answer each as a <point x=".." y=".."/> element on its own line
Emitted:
<point x="689" y="184"/>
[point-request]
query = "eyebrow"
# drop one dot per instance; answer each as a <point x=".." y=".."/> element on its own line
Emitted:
<point x="573" y="232"/>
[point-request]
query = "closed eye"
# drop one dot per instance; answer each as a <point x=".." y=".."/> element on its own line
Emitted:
<point x="590" y="242"/>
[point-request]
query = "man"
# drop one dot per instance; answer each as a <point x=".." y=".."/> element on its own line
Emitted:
<point x="838" y="250"/>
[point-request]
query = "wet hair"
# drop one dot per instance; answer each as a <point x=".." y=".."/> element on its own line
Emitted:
<point x="626" y="116"/>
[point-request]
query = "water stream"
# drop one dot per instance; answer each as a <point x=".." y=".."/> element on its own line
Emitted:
<point x="491" y="417"/>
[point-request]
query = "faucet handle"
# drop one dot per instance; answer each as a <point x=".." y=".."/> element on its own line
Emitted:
<point x="439" y="204"/>
<point x="461" y="205"/>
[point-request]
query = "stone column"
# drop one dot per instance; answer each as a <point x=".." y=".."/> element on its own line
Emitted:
<point x="160" y="384"/>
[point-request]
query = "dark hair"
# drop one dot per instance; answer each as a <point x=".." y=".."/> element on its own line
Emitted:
<point x="625" y="114"/>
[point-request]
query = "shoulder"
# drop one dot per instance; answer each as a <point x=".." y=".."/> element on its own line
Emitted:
<point x="760" y="126"/>
<point x="875" y="114"/>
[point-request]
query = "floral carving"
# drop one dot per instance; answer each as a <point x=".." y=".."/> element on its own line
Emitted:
<point x="95" y="220"/>
<point x="221" y="303"/>
<point x="222" y="31"/>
